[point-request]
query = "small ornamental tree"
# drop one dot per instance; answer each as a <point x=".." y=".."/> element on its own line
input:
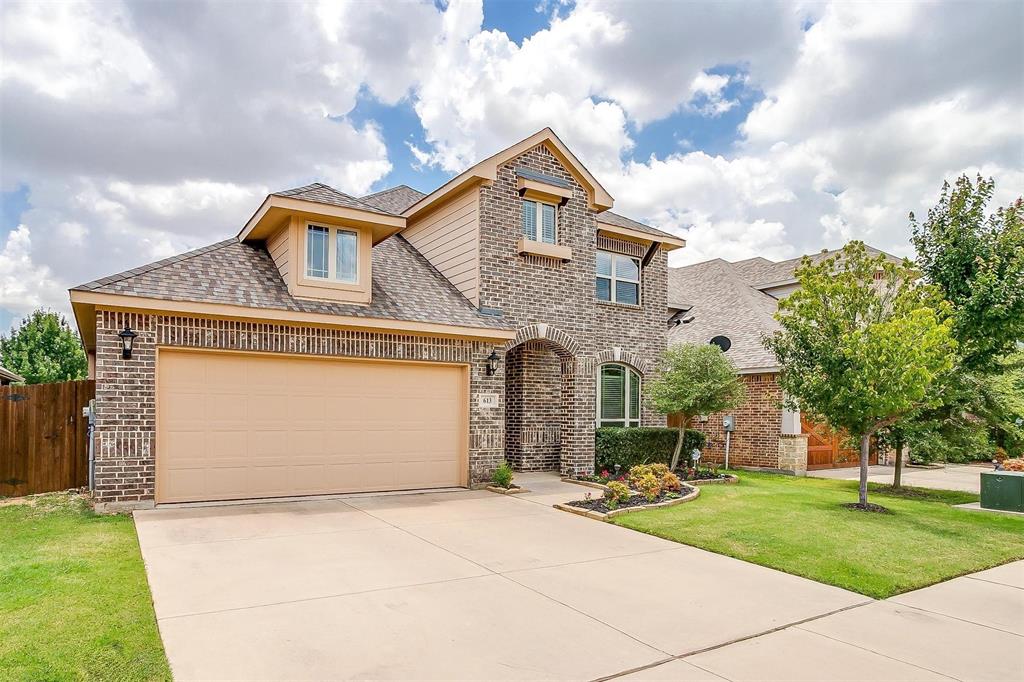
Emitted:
<point x="693" y="379"/>
<point x="860" y="345"/>
<point x="44" y="349"/>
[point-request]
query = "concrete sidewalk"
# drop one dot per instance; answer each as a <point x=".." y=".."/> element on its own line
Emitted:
<point x="965" y="477"/>
<point x="474" y="585"/>
<point x="969" y="628"/>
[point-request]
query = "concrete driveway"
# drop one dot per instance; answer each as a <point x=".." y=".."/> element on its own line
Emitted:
<point x="473" y="585"/>
<point x="966" y="477"/>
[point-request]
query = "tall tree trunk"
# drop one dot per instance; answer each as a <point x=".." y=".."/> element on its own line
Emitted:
<point x="897" y="473"/>
<point x="684" y="423"/>
<point x="865" y="453"/>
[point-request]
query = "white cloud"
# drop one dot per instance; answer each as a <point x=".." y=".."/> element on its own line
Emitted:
<point x="144" y="129"/>
<point x="25" y="284"/>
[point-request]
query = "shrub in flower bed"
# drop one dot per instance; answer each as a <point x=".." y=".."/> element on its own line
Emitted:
<point x="621" y="448"/>
<point x="650" y="483"/>
<point x="700" y="473"/>
<point x="1013" y="465"/>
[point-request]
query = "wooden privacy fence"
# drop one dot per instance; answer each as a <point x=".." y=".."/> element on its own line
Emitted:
<point x="44" y="441"/>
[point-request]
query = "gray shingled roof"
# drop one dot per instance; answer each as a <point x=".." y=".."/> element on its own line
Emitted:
<point x="322" y="194"/>
<point x="405" y="285"/>
<point x="395" y="199"/>
<point x="723" y="303"/>
<point x="629" y="223"/>
<point x="727" y="299"/>
<point x="760" y="271"/>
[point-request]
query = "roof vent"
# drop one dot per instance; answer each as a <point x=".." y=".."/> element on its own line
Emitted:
<point x="722" y="342"/>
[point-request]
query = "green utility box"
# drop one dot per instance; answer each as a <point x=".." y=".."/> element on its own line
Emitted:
<point x="1002" y="490"/>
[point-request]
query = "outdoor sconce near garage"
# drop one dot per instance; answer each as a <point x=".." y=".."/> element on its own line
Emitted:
<point x="127" y="337"/>
<point x="492" y="363"/>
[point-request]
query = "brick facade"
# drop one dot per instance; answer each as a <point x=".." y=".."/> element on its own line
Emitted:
<point x="533" y="388"/>
<point x="126" y="389"/>
<point x="546" y="382"/>
<point x="560" y="297"/>
<point x="758" y="441"/>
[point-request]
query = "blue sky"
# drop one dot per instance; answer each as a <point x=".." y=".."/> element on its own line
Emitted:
<point x="131" y="134"/>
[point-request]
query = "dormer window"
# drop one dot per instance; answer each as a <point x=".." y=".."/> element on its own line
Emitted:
<point x="539" y="221"/>
<point x="332" y="253"/>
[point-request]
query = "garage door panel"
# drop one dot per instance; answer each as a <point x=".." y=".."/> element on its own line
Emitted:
<point x="237" y="426"/>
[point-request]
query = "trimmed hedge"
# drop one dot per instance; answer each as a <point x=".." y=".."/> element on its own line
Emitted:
<point x="641" y="445"/>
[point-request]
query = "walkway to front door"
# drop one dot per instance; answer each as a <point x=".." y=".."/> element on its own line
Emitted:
<point x="473" y="585"/>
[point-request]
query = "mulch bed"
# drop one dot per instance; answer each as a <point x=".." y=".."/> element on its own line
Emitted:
<point x="869" y="507"/>
<point x="598" y="503"/>
<point x="702" y="476"/>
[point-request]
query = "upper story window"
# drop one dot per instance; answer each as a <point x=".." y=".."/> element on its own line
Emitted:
<point x="539" y="221"/>
<point x="618" y="396"/>
<point x="332" y="253"/>
<point x="618" y="278"/>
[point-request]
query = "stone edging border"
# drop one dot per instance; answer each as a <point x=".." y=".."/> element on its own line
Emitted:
<point x="730" y="478"/>
<point x="506" y="491"/>
<point x="590" y="514"/>
<point x="713" y="481"/>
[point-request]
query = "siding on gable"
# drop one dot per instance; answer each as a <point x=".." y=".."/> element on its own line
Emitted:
<point x="449" y="237"/>
<point x="277" y="245"/>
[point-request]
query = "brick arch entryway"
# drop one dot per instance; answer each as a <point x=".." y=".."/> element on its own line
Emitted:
<point x="549" y="402"/>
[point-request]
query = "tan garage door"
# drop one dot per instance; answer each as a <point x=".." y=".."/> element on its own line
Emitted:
<point x="234" y="426"/>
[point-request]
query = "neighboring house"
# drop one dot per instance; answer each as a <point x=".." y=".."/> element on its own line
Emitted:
<point x="7" y="377"/>
<point x="393" y="341"/>
<point x="733" y="305"/>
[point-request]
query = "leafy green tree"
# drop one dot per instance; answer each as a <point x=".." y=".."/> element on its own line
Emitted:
<point x="860" y="346"/>
<point x="977" y="262"/>
<point x="693" y="379"/>
<point x="44" y="349"/>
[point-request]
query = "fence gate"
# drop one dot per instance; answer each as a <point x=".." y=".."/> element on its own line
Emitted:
<point x="44" y="437"/>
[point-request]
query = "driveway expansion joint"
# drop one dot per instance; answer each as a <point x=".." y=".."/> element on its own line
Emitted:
<point x="877" y="653"/>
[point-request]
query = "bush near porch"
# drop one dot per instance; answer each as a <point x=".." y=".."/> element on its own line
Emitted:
<point x="798" y="525"/>
<point x="627" y="447"/>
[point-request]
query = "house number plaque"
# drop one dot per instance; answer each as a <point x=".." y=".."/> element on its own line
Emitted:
<point x="488" y="400"/>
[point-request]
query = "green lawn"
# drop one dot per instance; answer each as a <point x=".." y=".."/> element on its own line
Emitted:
<point x="797" y="525"/>
<point x="74" y="602"/>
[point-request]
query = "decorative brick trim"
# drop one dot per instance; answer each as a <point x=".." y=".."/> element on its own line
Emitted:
<point x="541" y="261"/>
<point x="561" y="343"/>
<point x="625" y="357"/>
<point x="126" y="389"/>
<point x="628" y="248"/>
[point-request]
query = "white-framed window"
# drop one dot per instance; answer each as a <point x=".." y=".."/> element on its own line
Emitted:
<point x="332" y="253"/>
<point x="539" y="221"/>
<point x="618" y="278"/>
<point x="618" y="396"/>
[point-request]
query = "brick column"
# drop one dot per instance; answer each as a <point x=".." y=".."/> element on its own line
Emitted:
<point x="125" y="410"/>
<point x="579" y="407"/>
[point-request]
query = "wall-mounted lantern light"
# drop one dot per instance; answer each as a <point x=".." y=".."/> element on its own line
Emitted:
<point x="492" y="363"/>
<point x="127" y="337"/>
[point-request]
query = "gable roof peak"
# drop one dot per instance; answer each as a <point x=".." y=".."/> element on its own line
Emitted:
<point x="487" y="171"/>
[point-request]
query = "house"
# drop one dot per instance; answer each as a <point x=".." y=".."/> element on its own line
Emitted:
<point x="394" y="341"/>
<point x="7" y="377"/>
<point x="733" y="305"/>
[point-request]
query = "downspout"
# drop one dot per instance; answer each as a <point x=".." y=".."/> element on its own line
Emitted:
<point x="90" y="413"/>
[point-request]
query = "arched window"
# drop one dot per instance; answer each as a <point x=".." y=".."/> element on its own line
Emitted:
<point x="618" y="396"/>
